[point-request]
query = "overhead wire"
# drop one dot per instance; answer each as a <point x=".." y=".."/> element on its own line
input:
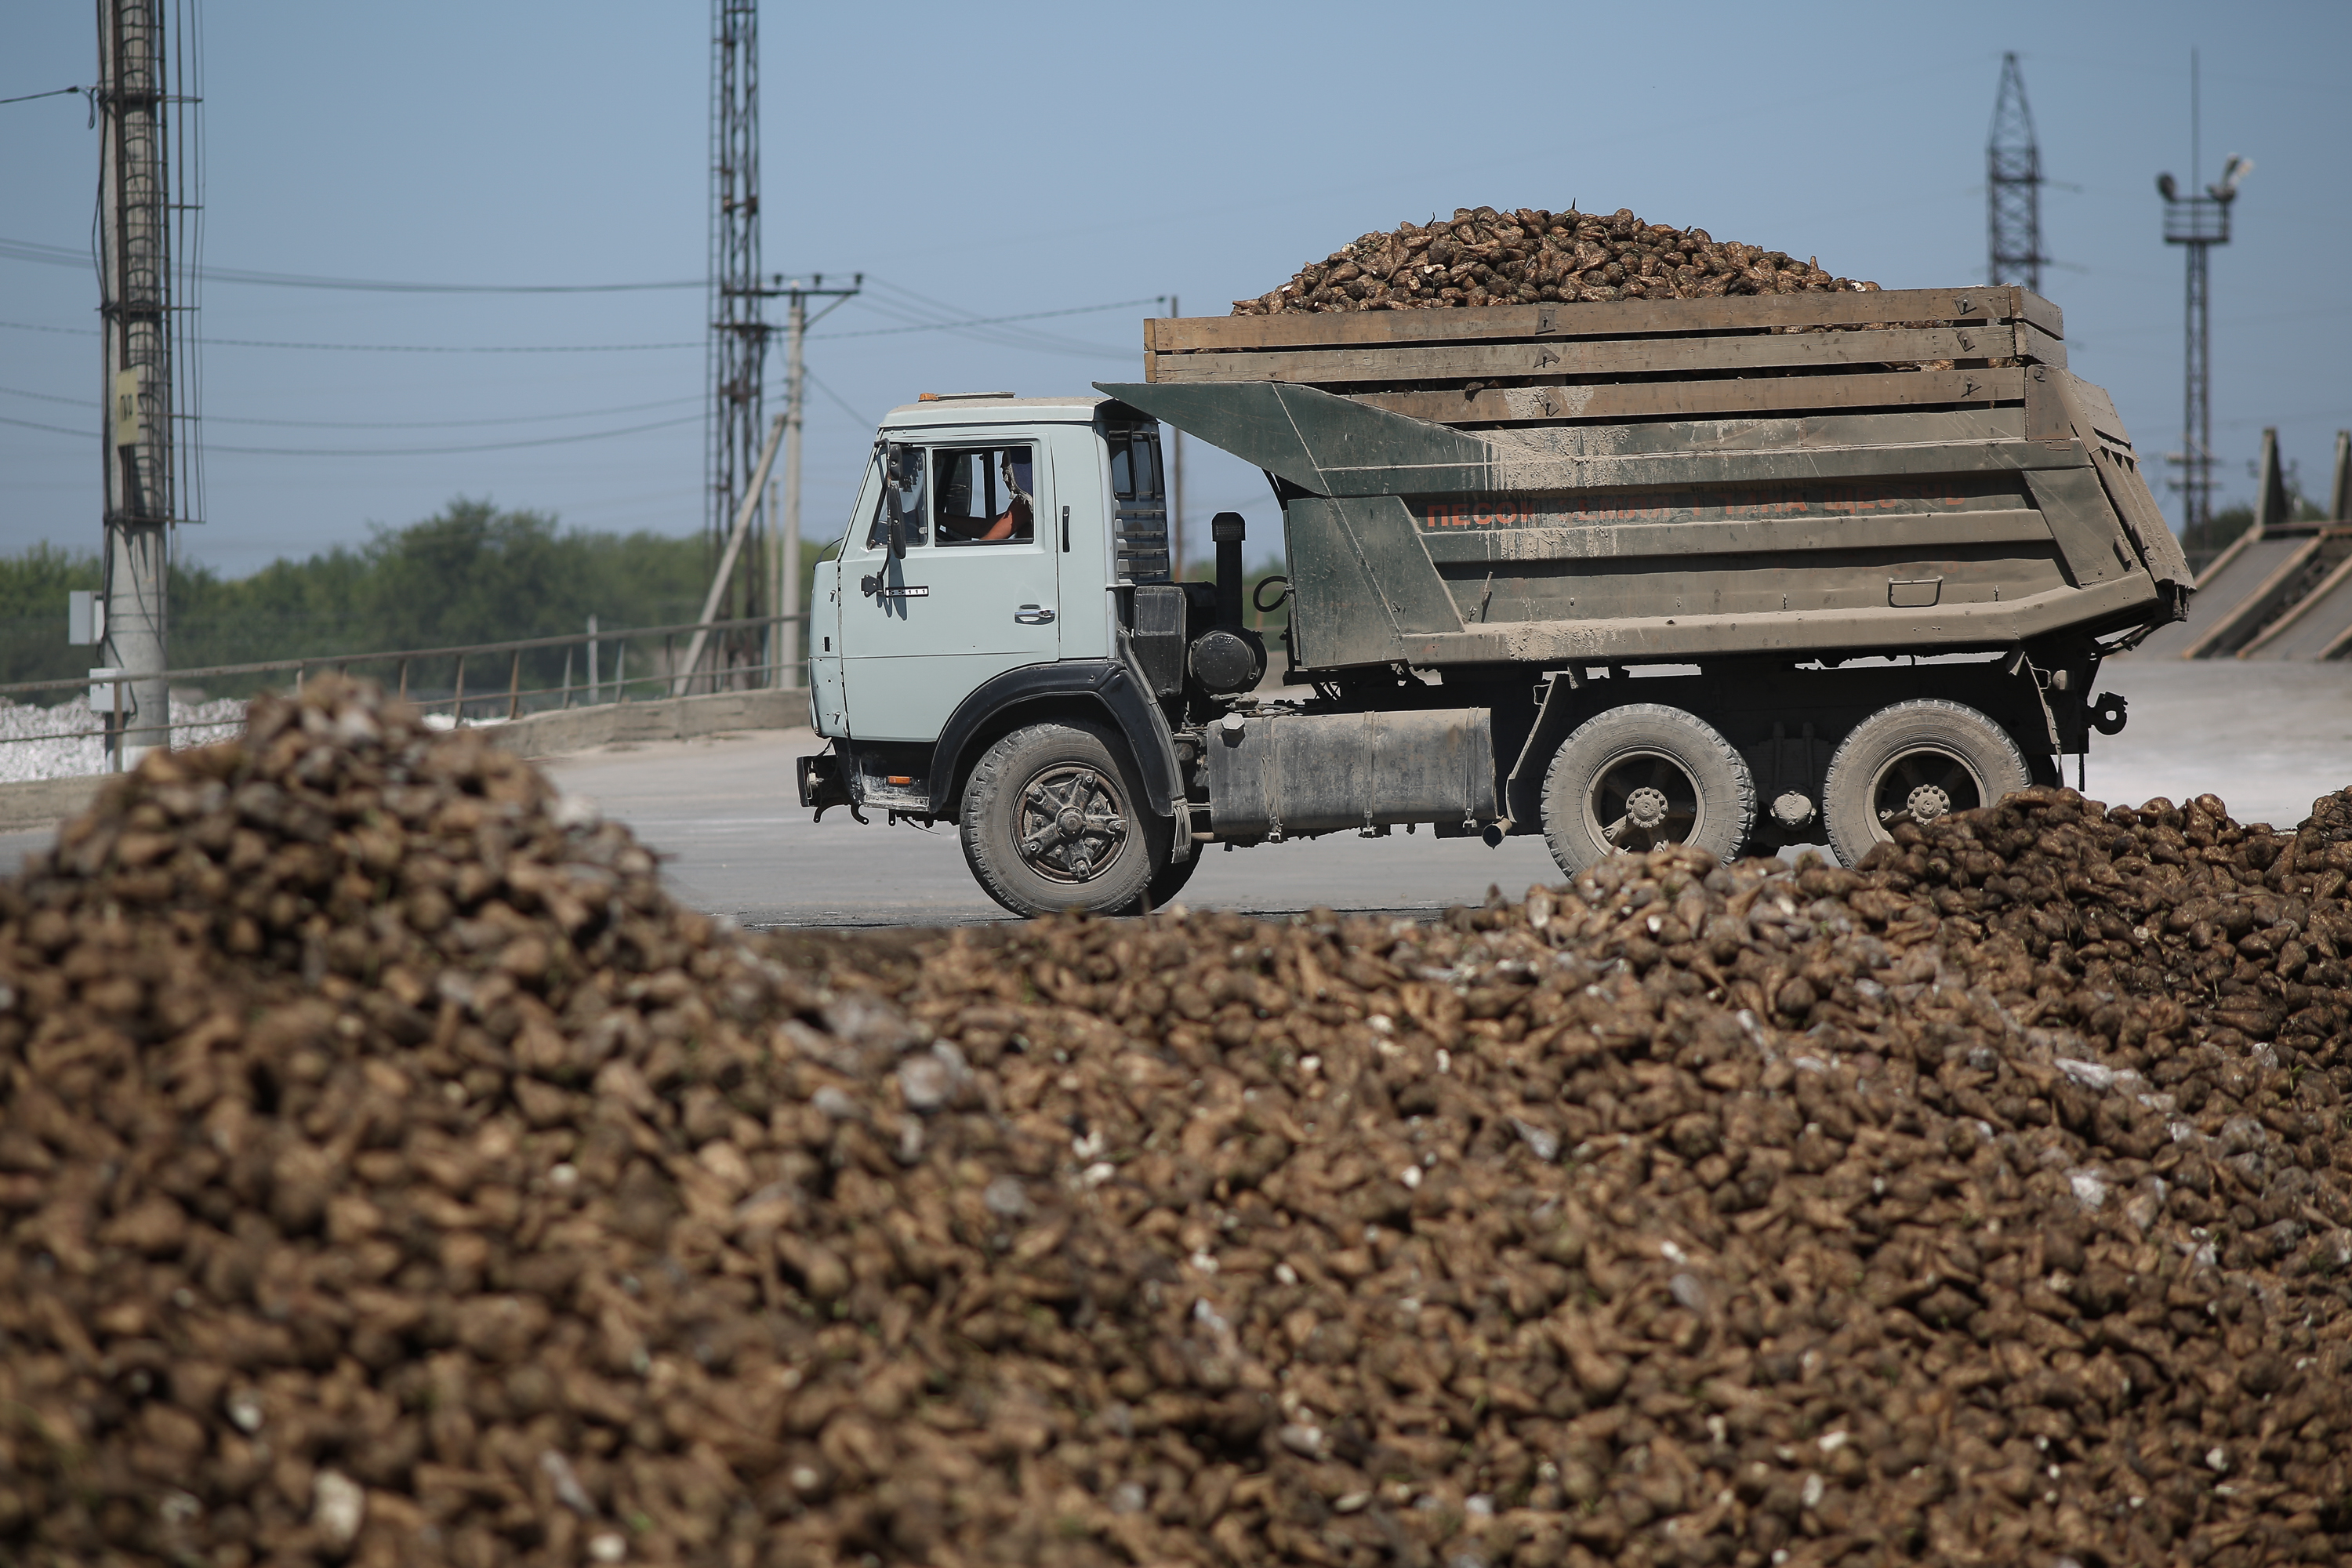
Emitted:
<point x="54" y="92"/>
<point x="384" y="424"/>
<point x="63" y="256"/>
<point x="397" y="451"/>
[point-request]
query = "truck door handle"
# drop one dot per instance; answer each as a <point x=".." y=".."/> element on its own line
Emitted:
<point x="1033" y="615"/>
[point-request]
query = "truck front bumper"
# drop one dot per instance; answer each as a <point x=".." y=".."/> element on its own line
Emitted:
<point x="821" y="784"/>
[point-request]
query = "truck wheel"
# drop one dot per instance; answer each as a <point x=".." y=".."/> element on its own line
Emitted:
<point x="1052" y="820"/>
<point x="1643" y="775"/>
<point x="1915" y="762"/>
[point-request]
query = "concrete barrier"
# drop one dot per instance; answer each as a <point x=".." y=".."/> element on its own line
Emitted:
<point x="566" y="731"/>
<point x="44" y="803"/>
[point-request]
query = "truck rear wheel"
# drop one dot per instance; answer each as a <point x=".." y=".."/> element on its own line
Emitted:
<point x="1052" y="820"/>
<point x="1915" y="762"/>
<point x="1643" y="776"/>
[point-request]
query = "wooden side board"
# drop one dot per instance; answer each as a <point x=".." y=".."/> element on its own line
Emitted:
<point x="1621" y="317"/>
<point x="1606" y="357"/>
<point x="1704" y="399"/>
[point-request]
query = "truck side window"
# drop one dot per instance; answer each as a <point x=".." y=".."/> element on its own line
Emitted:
<point x="1139" y="516"/>
<point x="1134" y="464"/>
<point x="986" y="495"/>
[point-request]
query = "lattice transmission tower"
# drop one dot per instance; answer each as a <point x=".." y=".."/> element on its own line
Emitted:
<point x="2013" y="186"/>
<point x="739" y="327"/>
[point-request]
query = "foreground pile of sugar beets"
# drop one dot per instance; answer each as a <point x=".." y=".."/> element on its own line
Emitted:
<point x="1482" y="257"/>
<point x="390" y="1173"/>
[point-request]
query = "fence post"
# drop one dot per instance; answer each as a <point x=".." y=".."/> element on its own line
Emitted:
<point x="621" y="673"/>
<point x="117" y="724"/>
<point x="669" y="657"/>
<point x="404" y="680"/>
<point x="567" y="676"/>
<point x="457" y="703"/>
<point x="514" y="687"/>
<point x="592" y="661"/>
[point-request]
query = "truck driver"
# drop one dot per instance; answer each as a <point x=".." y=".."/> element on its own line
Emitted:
<point x="1016" y="522"/>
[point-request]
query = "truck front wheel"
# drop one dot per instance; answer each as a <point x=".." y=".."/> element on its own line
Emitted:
<point x="1915" y="762"/>
<point x="1052" y="820"/>
<point x="1643" y="776"/>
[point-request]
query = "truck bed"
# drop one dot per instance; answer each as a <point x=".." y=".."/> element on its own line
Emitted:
<point x="1884" y="471"/>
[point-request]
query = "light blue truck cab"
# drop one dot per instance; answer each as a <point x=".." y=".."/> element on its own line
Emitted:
<point x="972" y="655"/>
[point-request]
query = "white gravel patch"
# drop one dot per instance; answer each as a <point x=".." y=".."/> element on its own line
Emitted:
<point x="57" y="742"/>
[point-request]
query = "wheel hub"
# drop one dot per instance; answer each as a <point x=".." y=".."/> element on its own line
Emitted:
<point x="1070" y="823"/>
<point x="1927" y="802"/>
<point x="1646" y="808"/>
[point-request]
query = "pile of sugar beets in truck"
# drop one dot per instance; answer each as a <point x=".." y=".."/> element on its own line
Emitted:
<point x="390" y="1172"/>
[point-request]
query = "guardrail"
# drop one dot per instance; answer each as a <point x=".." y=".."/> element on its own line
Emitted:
<point x="517" y="698"/>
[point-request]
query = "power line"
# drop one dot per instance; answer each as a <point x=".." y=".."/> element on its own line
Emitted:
<point x="65" y="256"/>
<point x="842" y="402"/>
<point x="986" y="320"/>
<point x="389" y="348"/>
<point x="382" y="423"/>
<point x="394" y="451"/>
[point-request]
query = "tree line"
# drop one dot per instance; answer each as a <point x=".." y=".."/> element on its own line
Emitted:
<point x="470" y="573"/>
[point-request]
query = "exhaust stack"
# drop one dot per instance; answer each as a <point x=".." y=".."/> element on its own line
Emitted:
<point x="1228" y="528"/>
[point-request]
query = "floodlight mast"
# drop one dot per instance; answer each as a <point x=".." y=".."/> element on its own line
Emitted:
<point x="2197" y="222"/>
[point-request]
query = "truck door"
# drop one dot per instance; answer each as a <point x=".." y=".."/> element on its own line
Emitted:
<point x="826" y="703"/>
<point x="976" y="592"/>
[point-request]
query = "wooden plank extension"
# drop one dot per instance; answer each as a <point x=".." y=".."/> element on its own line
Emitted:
<point x="1763" y="395"/>
<point x="1555" y="357"/>
<point x="1615" y="319"/>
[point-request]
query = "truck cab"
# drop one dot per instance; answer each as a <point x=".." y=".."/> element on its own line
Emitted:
<point x="978" y="621"/>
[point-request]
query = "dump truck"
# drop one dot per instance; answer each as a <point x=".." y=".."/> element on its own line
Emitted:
<point x="1739" y="573"/>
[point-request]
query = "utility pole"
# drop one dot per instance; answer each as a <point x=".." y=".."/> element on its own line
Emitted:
<point x="1175" y="486"/>
<point x="797" y="322"/>
<point x="2198" y="223"/>
<point x="2013" y="186"/>
<point x="739" y="331"/>
<point x="142" y="462"/>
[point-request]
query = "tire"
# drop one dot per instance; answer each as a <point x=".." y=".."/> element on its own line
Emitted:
<point x="1927" y="759"/>
<point x="1699" y="788"/>
<point x="1099" y="852"/>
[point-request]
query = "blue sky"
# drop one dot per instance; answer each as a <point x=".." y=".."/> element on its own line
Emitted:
<point x="1013" y="158"/>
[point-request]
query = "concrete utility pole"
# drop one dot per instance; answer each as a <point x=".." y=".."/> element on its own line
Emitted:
<point x="1175" y="486"/>
<point x="135" y="277"/>
<point x="797" y="322"/>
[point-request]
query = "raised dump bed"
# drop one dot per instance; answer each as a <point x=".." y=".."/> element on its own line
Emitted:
<point x="1894" y="471"/>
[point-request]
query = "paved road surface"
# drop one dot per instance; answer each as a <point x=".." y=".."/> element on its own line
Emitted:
<point x="721" y="807"/>
<point x="2267" y="739"/>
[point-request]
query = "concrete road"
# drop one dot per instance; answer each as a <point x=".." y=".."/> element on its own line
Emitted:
<point x="722" y="808"/>
<point x="2267" y="739"/>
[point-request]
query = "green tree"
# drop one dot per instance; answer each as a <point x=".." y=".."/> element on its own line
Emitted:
<point x="470" y="573"/>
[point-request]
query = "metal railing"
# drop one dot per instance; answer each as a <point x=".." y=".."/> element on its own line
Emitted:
<point x="518" y="698"/>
